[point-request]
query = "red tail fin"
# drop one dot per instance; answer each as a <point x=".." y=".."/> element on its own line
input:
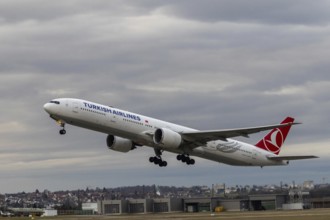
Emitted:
<point x="274" y="140"/>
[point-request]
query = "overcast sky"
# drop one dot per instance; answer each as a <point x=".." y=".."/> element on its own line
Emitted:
<point x="212" y="64"/>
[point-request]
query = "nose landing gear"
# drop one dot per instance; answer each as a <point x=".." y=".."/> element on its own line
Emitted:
<point x="62" y="131"/>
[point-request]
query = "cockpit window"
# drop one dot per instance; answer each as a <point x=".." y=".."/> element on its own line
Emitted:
<point x="55" y="102"/>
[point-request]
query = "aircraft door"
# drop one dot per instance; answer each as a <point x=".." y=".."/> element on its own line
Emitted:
<point x="75" y="107"/>
<point x="254" y="154"/>
<point x="111" y="118"/>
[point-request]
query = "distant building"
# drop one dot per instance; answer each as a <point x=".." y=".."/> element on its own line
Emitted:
<point x="90" y="206"/>
<point x="219" y="189"/>
<point x="309" y="185"/>
<point x="140" y="206"/>
<point x="50" y="212"/>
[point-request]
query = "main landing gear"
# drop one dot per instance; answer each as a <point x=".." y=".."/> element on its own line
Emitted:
<point x="158" y="159"/>
<point x="185" y="159"/>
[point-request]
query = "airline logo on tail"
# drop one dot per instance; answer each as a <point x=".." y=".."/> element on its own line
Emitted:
<point x="274" y="140"/>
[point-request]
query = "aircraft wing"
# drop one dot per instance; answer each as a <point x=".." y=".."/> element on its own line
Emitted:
<point x="280" y="158"/>
<point x="202" y="137"/>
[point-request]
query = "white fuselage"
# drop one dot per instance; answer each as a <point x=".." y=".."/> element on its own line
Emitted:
<point x="139" y="129"/>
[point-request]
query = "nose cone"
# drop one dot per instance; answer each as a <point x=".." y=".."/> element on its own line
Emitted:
<point x="47" y="107"/>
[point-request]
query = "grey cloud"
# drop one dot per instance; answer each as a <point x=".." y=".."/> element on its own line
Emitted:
<point x="205" y="65"/>
<point x="17" y="11"/>
<point x="256" y="11"/>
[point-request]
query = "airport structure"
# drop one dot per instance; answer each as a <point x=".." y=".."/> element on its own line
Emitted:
<point x="250" y="202"/>
<point x="296" y="200"/>
<point x="140" y="206"/>
<point x="164" y="199"/>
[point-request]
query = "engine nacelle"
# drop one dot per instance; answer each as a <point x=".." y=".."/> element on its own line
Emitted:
<point x="119" y="144"/>
<point x="167" y="138"/>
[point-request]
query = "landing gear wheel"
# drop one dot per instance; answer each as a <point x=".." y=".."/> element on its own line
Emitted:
<point x="62" y="131"/>
<point x="163" y="164"/>
<point x="190" y="162"/>
<point x="157" y="161"/>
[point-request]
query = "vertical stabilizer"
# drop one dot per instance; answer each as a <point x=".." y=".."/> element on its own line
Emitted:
<point x="274" y="140"/>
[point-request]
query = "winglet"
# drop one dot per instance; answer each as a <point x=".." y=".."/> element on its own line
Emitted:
<point x="274" y="140"/>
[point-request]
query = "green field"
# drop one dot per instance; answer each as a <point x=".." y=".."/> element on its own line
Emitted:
<point x="314" y="214"/>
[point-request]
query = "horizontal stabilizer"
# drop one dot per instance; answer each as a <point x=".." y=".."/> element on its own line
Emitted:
<point x="280" y="158"/>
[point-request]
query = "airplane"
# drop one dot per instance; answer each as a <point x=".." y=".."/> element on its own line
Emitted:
<point x="127" y="131"/>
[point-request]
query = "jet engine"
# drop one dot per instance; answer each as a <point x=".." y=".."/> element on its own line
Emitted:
<point x="119" y="144"/>
<point x="167" y="138"/>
